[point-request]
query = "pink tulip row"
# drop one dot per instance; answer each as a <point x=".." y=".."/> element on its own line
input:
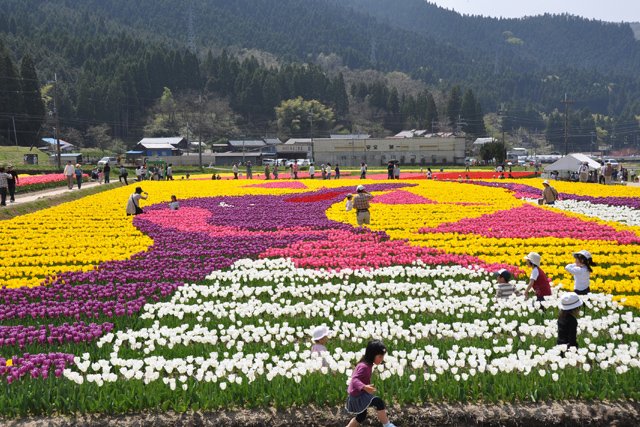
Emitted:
<point x="531" y="221"/>
<point x="403" y="197"/>
<point x="292" y="185"/>
<point x="42" y="179"/>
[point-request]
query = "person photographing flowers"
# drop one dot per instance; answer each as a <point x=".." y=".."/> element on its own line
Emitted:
<point x="581" y="271"/>
<point x="133" y="205"/>
<point x="361" y="390"/>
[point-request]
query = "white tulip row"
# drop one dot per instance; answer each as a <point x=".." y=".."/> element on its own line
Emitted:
<point x="622" y="214"/>
<point x="284" y="350"/>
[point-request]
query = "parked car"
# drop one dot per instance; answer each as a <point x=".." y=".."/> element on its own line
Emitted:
<point x="107" y="161"/>
<point x="613" y="162"/>
<point x="269" y="162"/>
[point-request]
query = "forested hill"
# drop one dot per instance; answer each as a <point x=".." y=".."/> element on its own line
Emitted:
<point x="549" y="41"/>
<point x="291" y="29"/>
<point x="114" y="59"/>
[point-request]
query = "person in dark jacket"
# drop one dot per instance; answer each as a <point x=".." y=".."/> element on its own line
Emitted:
<point x="107" y="171"/>
<point x="390" y="168"/>
<point x="568" y="320"/>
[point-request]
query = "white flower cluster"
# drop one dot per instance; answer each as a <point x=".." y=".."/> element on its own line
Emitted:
<point x="623" y="214"/>
<point x="258" y="299"/>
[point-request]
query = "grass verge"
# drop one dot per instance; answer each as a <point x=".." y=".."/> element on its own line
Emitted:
<point x="46" y="202"/>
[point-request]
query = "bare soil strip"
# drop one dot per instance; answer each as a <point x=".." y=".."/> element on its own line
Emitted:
<point x="565" y="414"/>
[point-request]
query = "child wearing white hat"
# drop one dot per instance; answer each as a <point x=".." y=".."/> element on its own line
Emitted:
<point x="568" y="320"/>
<point x="320" y="337"/>
<point x="581" y="271"/>
<point x="538" y="279"/>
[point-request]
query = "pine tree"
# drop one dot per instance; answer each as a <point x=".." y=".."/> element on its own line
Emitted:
<point x="11" y="104"/>
<point x="453" y="105"/>
<point x="33" y="104"/>
<point x="431" y="116"/>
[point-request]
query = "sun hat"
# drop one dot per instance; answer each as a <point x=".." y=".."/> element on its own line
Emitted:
<point x="534" y="258"/>
<point x="349" y="195"/>
<point x="320" y="332"/>
<point x="506" y="274"/>
<point x="360" y="188"/>
<point x="570" y="300"/>
<point x="78" y="165"/>
<point x="9" y="165"/>
<point x="545" y="182"/>
<point x="139" y="190"/>
<point x="584" y="253"/>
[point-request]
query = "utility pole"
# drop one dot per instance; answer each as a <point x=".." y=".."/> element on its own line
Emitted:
<point x="15" y="135"/>
<point x="501" y="114"/>
<point x="566" y="103"/>
<point x="200" y="136"/>
<point x="432" y="125"/>
<point x="188" y="143"/>
<point x="55" y="107"/>
<point x="311" y="132"/>
<point x="592" y="134"/>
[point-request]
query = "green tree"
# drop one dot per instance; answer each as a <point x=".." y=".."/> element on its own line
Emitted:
<point x="293" y="116"/>
<point x="98" y="137"/>
<point x="33" y="102"/>
<point x="493" y="150"/>
<point x="454" y="102"/>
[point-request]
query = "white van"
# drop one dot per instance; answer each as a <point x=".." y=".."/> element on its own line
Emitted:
<point x="107" y="161"/>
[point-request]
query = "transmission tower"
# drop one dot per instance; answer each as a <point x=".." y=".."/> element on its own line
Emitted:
<point x="372" y="56"/>
<point x="191" y="31"/>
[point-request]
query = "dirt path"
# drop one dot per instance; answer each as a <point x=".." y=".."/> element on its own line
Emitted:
<point x="565" y="414"/>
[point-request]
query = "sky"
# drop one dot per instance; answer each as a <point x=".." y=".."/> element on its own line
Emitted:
<point x="604" y="10"/>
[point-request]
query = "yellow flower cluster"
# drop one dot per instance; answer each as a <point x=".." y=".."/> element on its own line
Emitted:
<point x="619" y="267"/>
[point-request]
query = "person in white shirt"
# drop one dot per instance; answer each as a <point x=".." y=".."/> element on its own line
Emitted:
<point x="139" y="173"/>
<point x="69" y="172"/>
<point x="602" y="168"/>
<point x="235" y="171"/>
<point x="581" y="271"/>
<point x="349" y="205"/>
<point x="583" y="171"/>
<point x="174" y="205"/>
<point x="312" y="171"/>
<point x="133" y="205"/>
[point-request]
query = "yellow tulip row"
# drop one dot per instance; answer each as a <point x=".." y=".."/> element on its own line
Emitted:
<point x="620" y="270"/>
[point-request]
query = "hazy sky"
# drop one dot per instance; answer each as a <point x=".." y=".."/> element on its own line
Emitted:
<point x="605" y="10"/>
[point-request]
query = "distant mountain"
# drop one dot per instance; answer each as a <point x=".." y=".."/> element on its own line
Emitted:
<point x="542" y="42"/>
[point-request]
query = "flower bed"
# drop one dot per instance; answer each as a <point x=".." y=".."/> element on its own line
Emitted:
<point x="211" y="306"/>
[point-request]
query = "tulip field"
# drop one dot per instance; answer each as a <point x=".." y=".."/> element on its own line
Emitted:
<point x="212" y="306"/>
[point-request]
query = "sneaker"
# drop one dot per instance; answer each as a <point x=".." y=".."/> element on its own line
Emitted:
<point x="13" y="201"/>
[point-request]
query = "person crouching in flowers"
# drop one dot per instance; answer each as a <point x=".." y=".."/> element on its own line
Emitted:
<point x="504" y="289"/>
<point x="361" y="391"/>
<point x="320" y="337"/>
<point x="581" y="271"/>
<point x="568" y="320"/>
<point x="538" y="279"/>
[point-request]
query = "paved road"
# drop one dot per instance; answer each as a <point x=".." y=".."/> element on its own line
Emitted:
<point x="32" y="197"/>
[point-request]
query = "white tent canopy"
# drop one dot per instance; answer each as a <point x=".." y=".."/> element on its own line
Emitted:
<point x="572" y="162"/>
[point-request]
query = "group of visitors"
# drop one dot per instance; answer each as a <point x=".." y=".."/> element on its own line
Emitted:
<point x="606" y="174"/>
<point x="8" y="181"/>
<point x="393" y="170"/>
<point x="361" y="391"/>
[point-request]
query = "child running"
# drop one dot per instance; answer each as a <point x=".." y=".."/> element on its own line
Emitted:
<point x="581" y="271"/>
<point x="361" y="391"/>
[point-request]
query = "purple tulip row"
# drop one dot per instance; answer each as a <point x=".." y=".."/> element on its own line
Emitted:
<point x="35" y="365"/>
<point x="121" y="288"/>
<point x="633" y="202"/>
<point x="76" y="333"/>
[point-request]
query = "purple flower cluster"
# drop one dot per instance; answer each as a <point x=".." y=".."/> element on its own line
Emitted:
<point x="36" y="365"/>
<point x="122" y="288"/>
<point x="76" y="333"/>
<point x="632" y="202"/>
